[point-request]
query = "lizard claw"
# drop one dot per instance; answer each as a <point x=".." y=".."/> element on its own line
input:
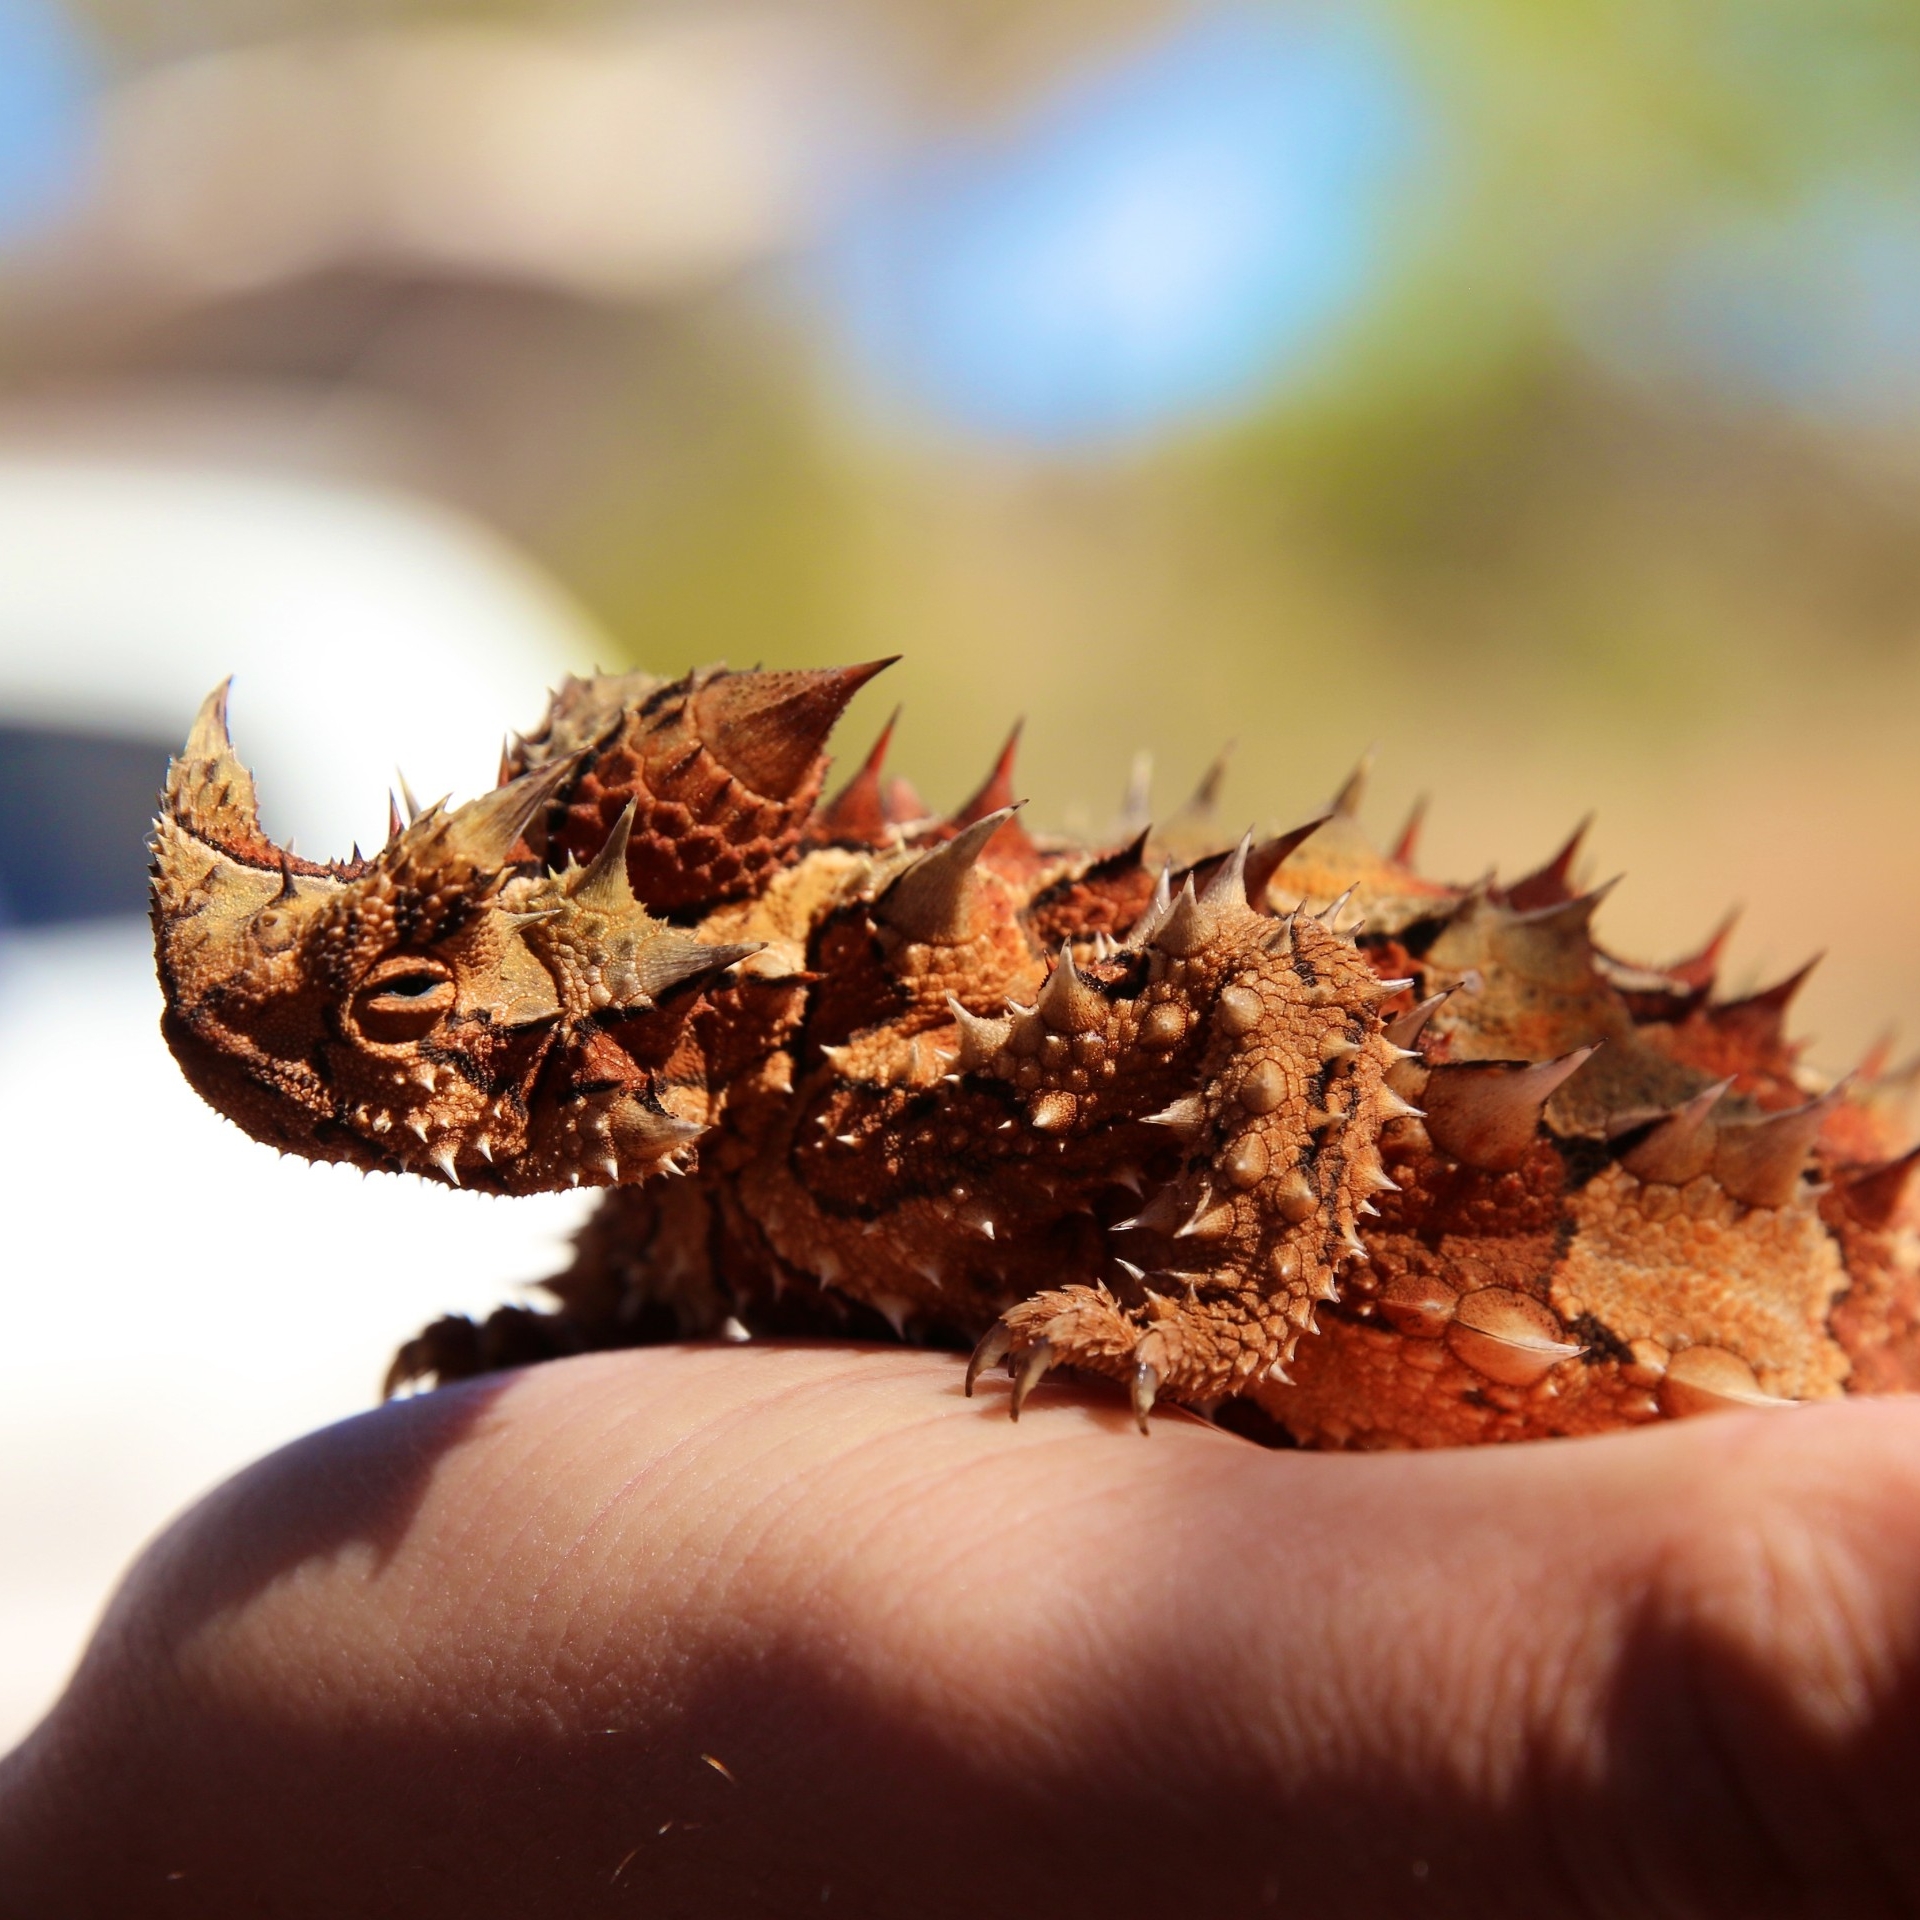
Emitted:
<point x="1034" y="1361"/>
<point x="1146" y="1383"/>
<point x="993" y="1346"/>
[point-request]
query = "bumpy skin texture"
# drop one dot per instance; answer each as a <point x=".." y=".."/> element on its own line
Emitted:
<point x="1288" y="1132"/>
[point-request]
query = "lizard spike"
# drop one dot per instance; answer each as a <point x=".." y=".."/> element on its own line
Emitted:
<point x="858" y="811"/>
<point x="442" y="1157"/>
<point x="1206" y="796"/>
<point x="1509" y="1337"/>
<point x="1570" y="917"/>
<point x="1550" y="885"/>
<point x="1186" y="929"/>
<point x="931" y="901"/>
<point x="1158" y="907"/>
<point x="1408" y="842"/>
<point x="1146" y="1383"/>
<point x="603" y="882"/>
<point x="1164" y="1213"/>
<point x="1387" y="989"/>
<point x="640" y="1131"/>
<point x="1186" y="1117"/>
<point x="1680" y="1147"/>
<point x="1228" y="887"/>
<point x="1874" y="1195"/>
<point x="1034" y="1363"/>
<point x="1759" y="1162"/>
<point x="413" y="806"/>
<point x="210" y="738"/>
<point x="980" y="1039"/>
<point x="1711" y="1380"/>
<point x="1486" y="1113"/>
<point x="1294" y="1195"/>
<point x="767" y="729"/>
<point x="481" y="835"/>
<point x="996" y="791"/>
<point x="1211" y="1224"/>
<point x="395" y="825"/>
<point x="1270" y="855"/>
<point x="1393" y="1107"/>
<point x="1406" y="1030"/>
<point x="903" y="803"/>
<point x="1345" y="804"/>
<point x="210" y="794"/>
<point x="993" y="1347"/>
<point x="680" y="960"/>
<point x="1329" y="916"/>
<point x="1763" y="1014"/>
<point x="1065" y="1001"/>
<point x="1878" y="1056"/>
<point x="1698" y="971"/>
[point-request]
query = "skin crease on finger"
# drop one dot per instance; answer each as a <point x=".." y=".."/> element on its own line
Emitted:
<point x="779" y="1629"/>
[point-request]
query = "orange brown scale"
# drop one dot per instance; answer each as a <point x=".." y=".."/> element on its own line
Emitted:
<point x="1284" y="1130"/>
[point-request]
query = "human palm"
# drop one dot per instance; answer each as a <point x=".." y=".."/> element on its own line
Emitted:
<point x="776" y="1629"/>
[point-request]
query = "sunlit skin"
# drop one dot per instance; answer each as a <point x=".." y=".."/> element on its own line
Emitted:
<point x="478" y="1653"/>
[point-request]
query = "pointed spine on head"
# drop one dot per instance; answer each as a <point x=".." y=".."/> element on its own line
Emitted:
<point x="606" y="951"/>
<point x="445" y="865"/>
<point x="768" y="729"/>
<point x="726" y="768"/>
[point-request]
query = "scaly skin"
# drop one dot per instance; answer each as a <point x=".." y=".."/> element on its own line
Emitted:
<point x="1459" y="1176"/>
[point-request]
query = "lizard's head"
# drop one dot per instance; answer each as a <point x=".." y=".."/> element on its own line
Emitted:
<point x="445" y="1007"/>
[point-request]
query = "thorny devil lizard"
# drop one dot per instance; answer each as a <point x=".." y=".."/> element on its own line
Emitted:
<point x="1170" y="1113"/>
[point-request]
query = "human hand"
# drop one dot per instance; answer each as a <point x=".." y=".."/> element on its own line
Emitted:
<point x="797" y="1629"/>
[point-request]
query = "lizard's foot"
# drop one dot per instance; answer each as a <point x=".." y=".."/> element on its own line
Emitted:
<point x="455" y="1348"/>
<point x="1194" y="1351"/>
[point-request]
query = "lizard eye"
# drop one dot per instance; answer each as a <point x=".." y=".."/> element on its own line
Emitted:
<point x="405" y="1000"/>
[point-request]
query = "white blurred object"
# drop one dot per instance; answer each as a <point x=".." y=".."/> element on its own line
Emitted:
<point x="617" y="162"/>
<point x="363" y="631"/>
<point x="178" y="1299"/>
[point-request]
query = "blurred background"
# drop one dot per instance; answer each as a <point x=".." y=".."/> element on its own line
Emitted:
<point x="1526" y="389"/>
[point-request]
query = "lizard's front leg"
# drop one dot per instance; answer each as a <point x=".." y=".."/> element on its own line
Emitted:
<point x="1279" y="1158"/>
